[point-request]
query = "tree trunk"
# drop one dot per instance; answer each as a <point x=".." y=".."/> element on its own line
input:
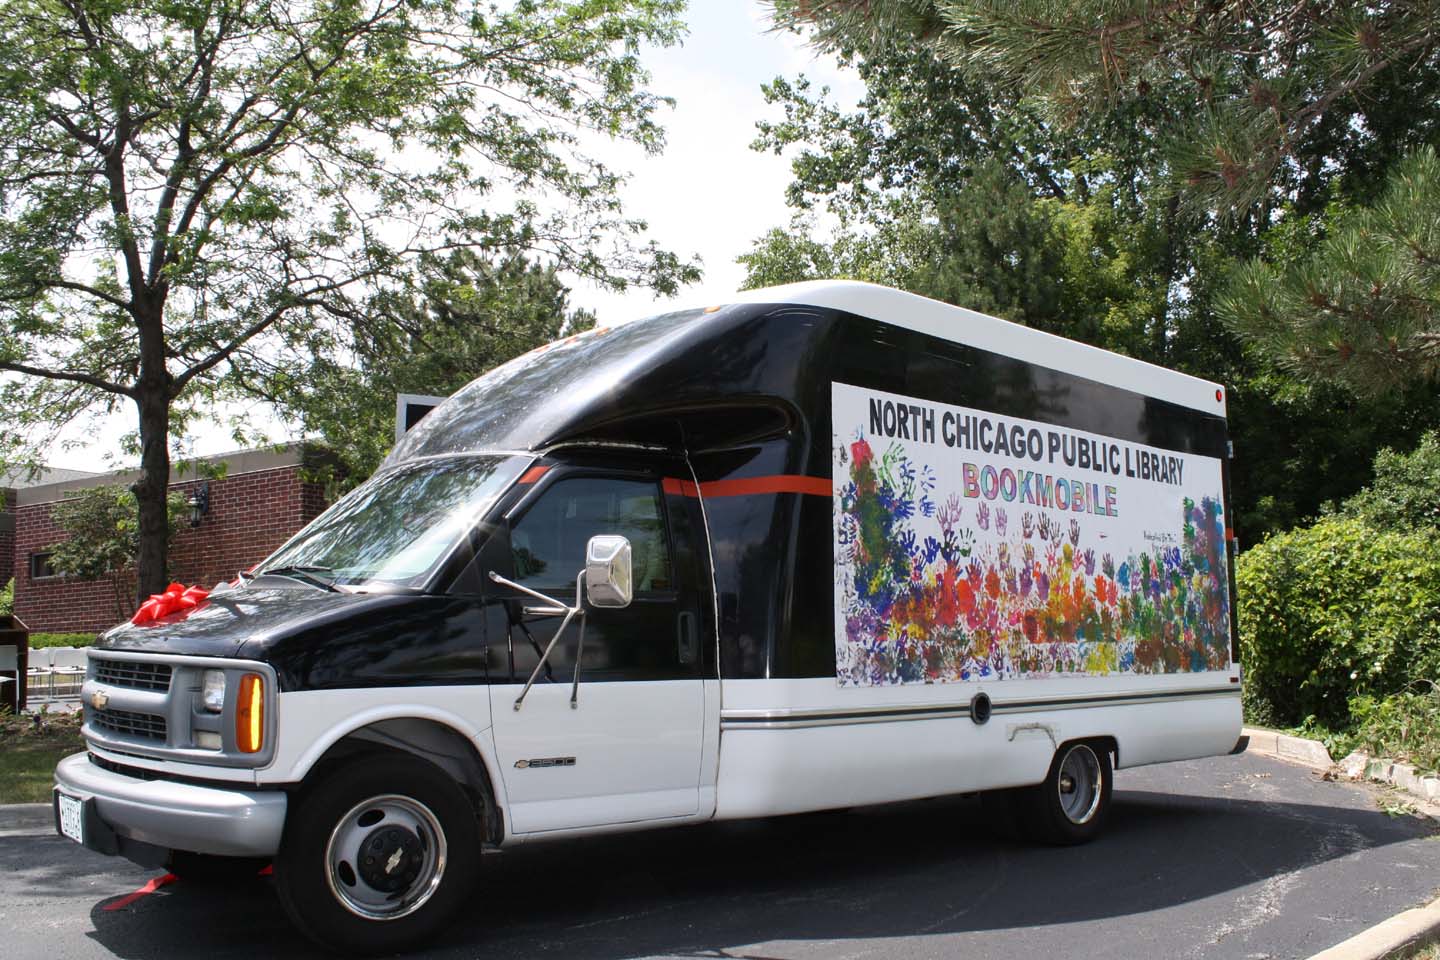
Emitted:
<point x="152" y="397"/>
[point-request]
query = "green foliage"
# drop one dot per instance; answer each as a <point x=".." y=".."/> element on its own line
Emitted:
<point x="7" y="599"/>
<point x="102" y="531"/>
<point x="471" y="313"/>
<point x="1406" y="489"/>
<point x="1253" y="92"/>
<point x="39" y="640"/>
<point x="195" y="198"/>
<point x="1403" y="726"/>
<point x="1336" y="610"/>
<point x="1362" y="305"/>
<point x="103" y="534"/>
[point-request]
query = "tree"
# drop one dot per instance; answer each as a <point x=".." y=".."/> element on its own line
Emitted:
<point x="102" y="536"/>
<point x="1130" y="170"/>
<point x="1360" y="304"/>
<point x="472" y="313"/>
<point x="1265" y="91"/>
<point x="196" y="196"/>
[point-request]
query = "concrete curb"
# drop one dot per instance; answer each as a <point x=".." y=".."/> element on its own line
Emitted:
<point x="1282" y="746"/>
<point x="26" y="820"/>
<point x="1402" y="932"/>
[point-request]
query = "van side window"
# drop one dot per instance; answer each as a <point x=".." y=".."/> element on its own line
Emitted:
<point x="548" y="542"/>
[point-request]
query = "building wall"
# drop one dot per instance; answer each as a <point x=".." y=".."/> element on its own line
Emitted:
<point x="251" y="513"/>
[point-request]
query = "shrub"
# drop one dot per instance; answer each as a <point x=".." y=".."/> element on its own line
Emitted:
<point x="1405" y="726"/>
<point x="7" y="599"/>
<point x="38" y="640"/>
<point x="1338" y="610"/>
<point x="1406" y="489"/>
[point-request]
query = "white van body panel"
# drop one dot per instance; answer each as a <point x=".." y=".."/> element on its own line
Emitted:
<point x="312" y="721"/>
<point x="781" y="753"/>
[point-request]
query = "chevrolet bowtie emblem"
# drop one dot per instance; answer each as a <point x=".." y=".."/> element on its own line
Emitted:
<point x="99" y="699"/>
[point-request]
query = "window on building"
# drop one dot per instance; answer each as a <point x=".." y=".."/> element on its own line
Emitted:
<point x="41" y="566"/>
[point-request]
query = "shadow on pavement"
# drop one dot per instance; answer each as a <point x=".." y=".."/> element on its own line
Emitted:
<point x="912" y="869"/>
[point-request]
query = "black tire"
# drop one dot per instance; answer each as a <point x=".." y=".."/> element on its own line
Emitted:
<point x="377" y="823"/>
<point x="209" y="870"/>
<point x="1070" y="807"/>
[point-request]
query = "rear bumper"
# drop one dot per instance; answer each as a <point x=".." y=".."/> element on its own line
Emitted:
<point x="176" y="816"/>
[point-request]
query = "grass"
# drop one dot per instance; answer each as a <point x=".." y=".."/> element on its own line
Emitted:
<point x="1431" y="952"/>
<point x="30" y="746"/>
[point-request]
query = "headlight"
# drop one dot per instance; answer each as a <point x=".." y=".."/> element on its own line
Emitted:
<point x="213" y="691"/>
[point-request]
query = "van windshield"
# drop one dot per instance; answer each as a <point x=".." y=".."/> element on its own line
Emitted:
<point x="398" y="526"/>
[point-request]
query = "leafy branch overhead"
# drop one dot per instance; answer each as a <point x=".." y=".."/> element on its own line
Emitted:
<point x="1362" y="304"/>
<point x="191" y="191"/>
<point x="1255" y="82"/>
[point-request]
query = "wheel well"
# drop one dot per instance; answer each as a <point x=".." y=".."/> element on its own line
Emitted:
<point x="1110" y="746"/>
<point x="432" y="742"/>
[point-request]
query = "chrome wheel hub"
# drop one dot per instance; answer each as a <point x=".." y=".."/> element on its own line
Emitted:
<point x="385" y="857"/>
<point x="1080" y="784"/>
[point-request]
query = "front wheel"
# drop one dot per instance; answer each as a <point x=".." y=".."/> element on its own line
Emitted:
<point x="1071" y="805"/>
<point x="378" y="856"/>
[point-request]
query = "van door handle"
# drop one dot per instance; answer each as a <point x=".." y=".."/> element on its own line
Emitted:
<point x="689" y="646"/>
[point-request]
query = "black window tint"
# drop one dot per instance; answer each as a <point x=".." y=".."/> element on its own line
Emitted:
<point x="548" y="542"/>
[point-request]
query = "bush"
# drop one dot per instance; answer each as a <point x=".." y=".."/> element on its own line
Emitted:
<point x="1405" y="726"/>
<point x="1338" y="610"/>
<point x="1406" y="489"/>
<point x="38" y="640"/>
<point x="7" y="599"/>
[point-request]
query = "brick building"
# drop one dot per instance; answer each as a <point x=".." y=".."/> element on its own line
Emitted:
<point x="10" y="483"/>
<point x="263" y="498"/>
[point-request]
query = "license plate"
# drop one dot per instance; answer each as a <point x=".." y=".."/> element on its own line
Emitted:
<point x="72" y="818"/>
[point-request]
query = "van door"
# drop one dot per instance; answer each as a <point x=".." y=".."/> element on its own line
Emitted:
<point x="629" y="747"/>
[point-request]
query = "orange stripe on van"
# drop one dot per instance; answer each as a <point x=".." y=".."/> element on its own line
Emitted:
<point x="750" y="486"/>
<point x="533" y="474"/>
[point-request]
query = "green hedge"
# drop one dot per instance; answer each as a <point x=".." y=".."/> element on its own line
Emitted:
<point x="1333" y="611"/>
<point x="38" y="640"/>
<point x="7" y="599"/>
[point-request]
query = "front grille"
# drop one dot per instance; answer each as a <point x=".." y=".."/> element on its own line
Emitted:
<point x="137" y="675"/>
<point x="143" y="725"/>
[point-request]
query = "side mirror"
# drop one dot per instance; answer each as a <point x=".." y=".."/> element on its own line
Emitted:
<point x="607" y="572"/>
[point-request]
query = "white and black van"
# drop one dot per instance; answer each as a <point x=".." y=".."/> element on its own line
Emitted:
<point x="827" y="545"/>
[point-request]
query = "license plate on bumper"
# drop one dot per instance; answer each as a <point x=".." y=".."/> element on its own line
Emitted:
<point x="70" y="813"/>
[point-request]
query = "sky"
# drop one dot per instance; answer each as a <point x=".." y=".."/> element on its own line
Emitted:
<point x="707" y="194"/>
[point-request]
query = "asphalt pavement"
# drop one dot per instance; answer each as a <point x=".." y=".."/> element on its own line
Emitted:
<point x="1241" y="857"/>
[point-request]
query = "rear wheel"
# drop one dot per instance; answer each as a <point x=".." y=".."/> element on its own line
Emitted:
<point x="378" y="856"/>
<point x="1072" y="804"/>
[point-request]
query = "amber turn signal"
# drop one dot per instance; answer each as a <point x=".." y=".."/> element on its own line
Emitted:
<point x="250" y="714"/>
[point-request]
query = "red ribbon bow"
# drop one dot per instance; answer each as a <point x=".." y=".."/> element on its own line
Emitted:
<point x="177" y="598"/>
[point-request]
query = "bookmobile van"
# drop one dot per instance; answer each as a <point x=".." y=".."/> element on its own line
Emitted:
<point x="828" y="545"/>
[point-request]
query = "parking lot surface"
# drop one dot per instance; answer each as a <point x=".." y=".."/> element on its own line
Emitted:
<point x="1230" y="857"/>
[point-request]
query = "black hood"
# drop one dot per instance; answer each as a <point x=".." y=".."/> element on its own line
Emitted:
<point x="318" y="640"/>
<point x="257" y="617"/>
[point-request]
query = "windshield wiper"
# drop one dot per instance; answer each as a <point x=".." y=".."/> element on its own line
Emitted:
<point x="304" y="574"/>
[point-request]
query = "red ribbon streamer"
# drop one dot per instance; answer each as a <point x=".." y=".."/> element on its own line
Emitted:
<point x="177" y="598"/>
<point x="146" y="890"/>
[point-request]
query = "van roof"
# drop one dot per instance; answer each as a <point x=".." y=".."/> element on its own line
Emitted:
<point x="745" y="358"/>
<point x="957" y="324"/>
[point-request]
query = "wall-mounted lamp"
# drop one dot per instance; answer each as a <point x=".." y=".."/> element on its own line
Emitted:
<point x="199" y="503"/>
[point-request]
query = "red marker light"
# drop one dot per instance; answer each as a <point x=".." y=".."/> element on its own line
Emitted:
<point x="1219" y="396"/>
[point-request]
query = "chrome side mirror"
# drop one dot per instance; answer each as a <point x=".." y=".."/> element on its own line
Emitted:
<point x="608" y="580"/>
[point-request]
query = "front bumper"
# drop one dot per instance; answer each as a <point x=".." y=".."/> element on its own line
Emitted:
<point x="176" y="816"/>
